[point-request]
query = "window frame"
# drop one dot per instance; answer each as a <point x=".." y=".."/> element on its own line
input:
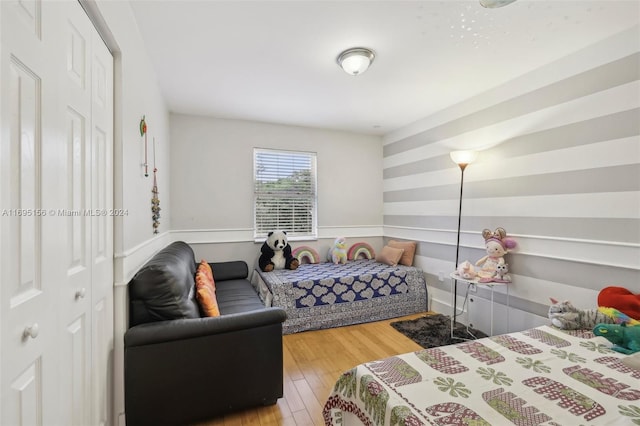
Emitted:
<point x="313" y="198"/>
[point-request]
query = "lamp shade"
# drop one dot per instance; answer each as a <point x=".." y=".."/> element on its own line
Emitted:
<point x="464" y="157"/>
<point x="355" y="61"/>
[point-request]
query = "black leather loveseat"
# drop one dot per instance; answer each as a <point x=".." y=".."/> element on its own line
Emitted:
<point x="180" y="367"/>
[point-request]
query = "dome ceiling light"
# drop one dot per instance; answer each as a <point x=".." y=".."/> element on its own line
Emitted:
<point x="356" y="60"/>
<point x="494" y="4"/>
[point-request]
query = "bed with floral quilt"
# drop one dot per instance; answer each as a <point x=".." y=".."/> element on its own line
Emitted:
<point x="325" y="295"/>
<point x="542" y="376"/>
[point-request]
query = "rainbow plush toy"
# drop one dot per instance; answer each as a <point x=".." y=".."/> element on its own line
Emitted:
<point x="618" y="317"/>
<point x="306" y="254"/>
<point x="361" y="250"/>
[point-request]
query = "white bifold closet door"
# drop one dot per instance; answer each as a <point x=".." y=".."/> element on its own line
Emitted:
<point x="56" y="231"/>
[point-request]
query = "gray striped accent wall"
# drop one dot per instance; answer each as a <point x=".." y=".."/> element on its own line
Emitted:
<point x="559" y="169"/>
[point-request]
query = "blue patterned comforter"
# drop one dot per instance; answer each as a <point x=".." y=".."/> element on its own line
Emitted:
<point x="325" y="295"/>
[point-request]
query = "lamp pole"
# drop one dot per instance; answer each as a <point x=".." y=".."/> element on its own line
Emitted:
<point x="462" y="159"/>
<point x="455" y="282"/>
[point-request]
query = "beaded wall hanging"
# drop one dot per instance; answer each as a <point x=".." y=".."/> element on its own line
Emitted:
<point x="155" y="201"/>
<point x="143" y="132"/>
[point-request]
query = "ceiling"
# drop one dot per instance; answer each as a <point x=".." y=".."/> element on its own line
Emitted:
<point x="275" y="61"/>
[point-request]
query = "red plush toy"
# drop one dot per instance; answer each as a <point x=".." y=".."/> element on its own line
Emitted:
<point x="621" y="299"/>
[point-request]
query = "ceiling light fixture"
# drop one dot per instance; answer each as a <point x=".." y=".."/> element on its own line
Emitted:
<point x="494" y="4"/>
<point x="356" y="60"/>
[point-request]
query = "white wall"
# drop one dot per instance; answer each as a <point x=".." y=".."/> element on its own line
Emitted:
<point x="212" y="182"/>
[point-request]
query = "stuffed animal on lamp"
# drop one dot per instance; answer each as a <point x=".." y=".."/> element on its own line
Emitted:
<point x="497" y="245"/>
<point x="338" y="253"/>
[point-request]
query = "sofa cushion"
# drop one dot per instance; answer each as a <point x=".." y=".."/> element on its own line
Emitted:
<point x="235" y="296"/>
<point x="164" y="288"/>
<point x="206" y="292"/>
<point x="231" y="270"/>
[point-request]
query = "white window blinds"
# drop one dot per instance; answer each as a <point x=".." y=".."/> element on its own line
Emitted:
<point x="285" y="193"/>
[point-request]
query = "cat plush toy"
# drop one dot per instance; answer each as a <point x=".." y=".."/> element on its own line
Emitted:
<point x="567" y="317"/>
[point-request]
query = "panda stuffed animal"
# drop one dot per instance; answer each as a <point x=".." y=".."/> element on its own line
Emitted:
<point x="276" y="253"/>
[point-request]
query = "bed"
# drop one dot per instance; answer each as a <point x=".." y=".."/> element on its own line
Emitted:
<point x="541" y="376"/>
<point x="324" y="295"/>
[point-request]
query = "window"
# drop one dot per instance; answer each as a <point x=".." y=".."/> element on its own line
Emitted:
<point x="285" y="193"/>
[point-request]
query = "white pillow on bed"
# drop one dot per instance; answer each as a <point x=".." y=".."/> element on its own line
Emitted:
<point x="389" y="255"/>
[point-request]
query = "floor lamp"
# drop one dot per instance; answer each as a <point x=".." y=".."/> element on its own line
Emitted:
<point x="462" y="159"/>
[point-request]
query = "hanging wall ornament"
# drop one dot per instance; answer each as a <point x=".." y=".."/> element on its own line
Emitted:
<point x="155" y="201"/>
<point x="143" y="132"/>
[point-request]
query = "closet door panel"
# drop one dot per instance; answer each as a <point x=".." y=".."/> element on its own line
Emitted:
<point x="23" y="407"/>
<point x="31" y="242"/>
<point x="75" y="294"/>
<point x="102" y="231"/>
<point x="56" y="233"/>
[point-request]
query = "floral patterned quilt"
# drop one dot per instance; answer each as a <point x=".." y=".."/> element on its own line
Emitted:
<point x="324" y="295"/>
<point x="541" y="376"/>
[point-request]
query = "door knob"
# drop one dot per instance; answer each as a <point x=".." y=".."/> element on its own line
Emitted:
<point x="81" y="293"/>
<point x="31" y="331"/>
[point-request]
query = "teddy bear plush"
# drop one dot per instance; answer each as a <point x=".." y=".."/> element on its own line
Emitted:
<point x="338" y="253"/>
<point x="275" y="253"/>
<point x="497" y="244"/>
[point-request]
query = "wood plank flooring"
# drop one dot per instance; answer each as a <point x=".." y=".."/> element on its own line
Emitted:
<point x="313" y="361"/>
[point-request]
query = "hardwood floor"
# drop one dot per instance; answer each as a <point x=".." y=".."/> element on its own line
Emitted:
<point x="313" y="361"/>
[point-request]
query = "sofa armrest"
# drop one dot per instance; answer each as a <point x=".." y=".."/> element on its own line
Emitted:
<point x="233" y="270"/>
<point x="182" y="329"/>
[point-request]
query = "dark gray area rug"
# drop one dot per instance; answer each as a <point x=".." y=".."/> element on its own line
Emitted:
<point x="432" y="331"/>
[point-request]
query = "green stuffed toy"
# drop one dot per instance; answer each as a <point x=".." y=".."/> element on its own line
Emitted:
<point x="625" y="339"/>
